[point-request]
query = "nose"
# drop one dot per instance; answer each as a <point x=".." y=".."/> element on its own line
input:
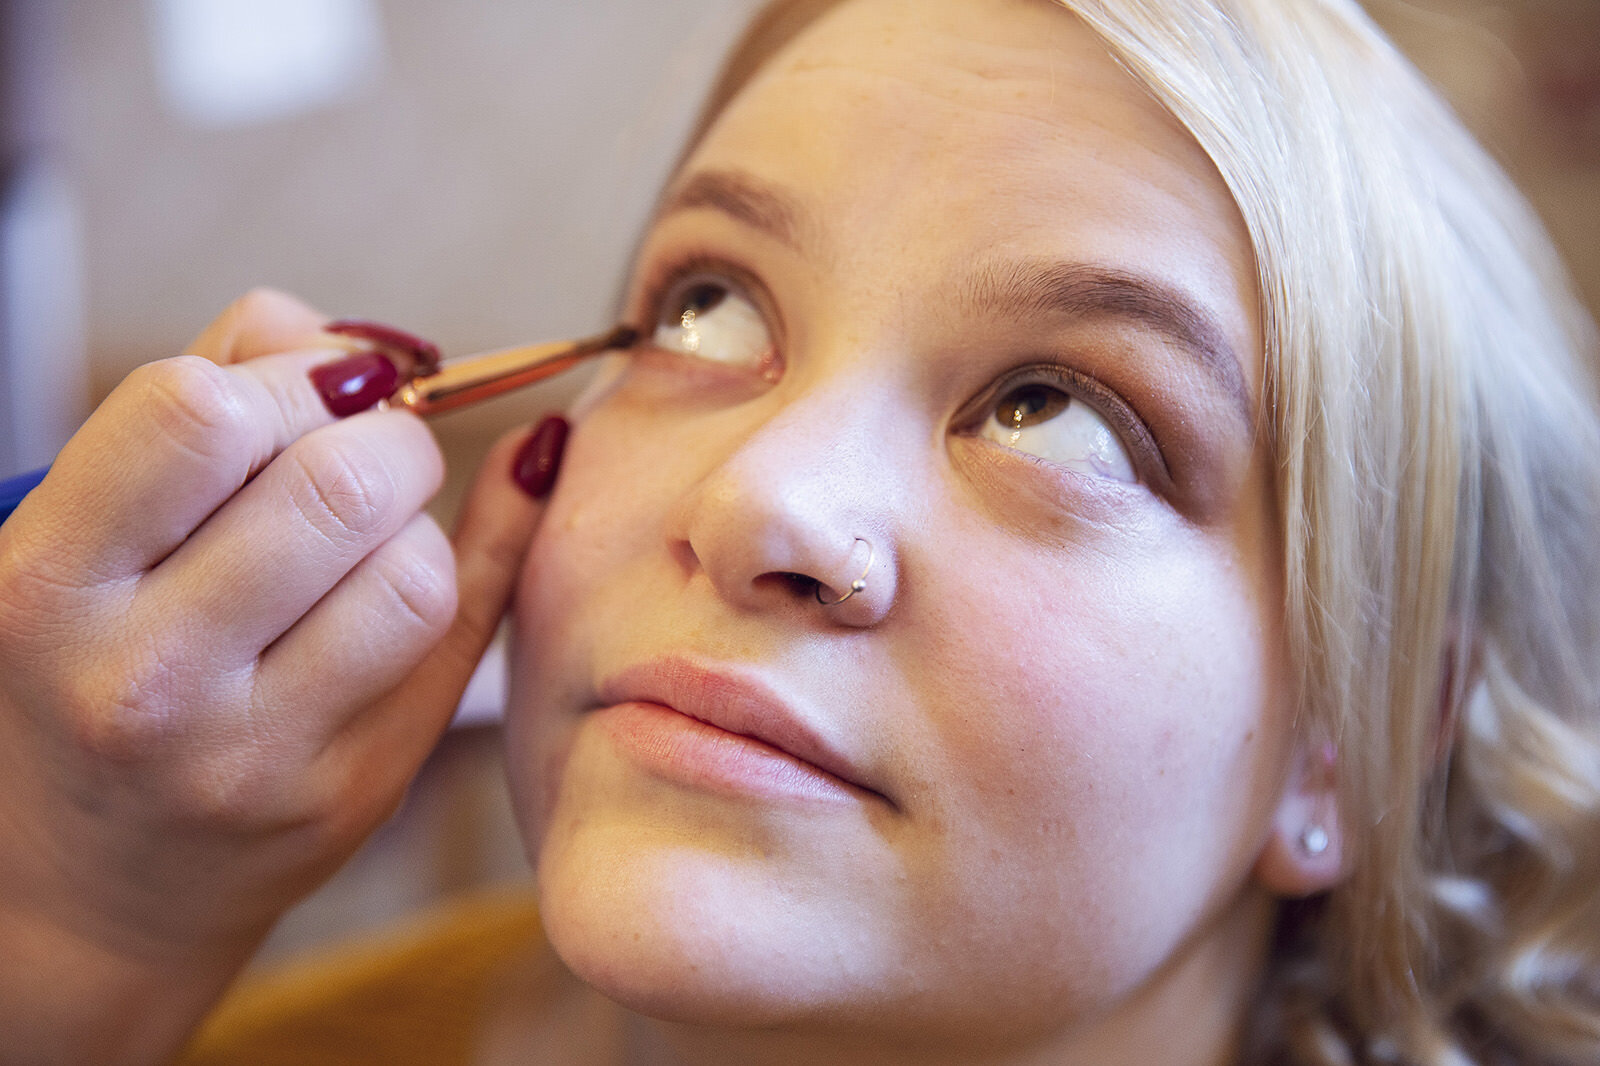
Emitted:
<point x="798" y="511"/>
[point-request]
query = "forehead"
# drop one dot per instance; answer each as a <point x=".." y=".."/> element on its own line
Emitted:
<point x="985" y="129"/>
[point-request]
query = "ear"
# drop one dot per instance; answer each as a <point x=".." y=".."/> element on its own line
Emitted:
<point x="1304" y="852"/>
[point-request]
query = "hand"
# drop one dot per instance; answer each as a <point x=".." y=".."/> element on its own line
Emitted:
<point x="229" y="636"/>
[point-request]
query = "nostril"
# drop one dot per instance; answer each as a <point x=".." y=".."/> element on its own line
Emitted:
<point x="799" y="584"/>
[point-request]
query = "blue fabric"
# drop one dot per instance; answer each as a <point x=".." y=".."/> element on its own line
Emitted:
<point x="13" y="489"/>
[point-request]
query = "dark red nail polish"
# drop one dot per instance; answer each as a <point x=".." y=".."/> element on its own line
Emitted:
<point x="424" y="355"/>
<point x="355" y="382"/>
<point x="539" y="459"/>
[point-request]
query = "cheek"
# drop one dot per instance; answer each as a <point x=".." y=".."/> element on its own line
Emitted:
<point x="595" y="525"/>
<point x="603" y="496"/>
<point x="594" y="519"/>
<point x="1145" y="670"/>
<point x="1108" y="746"/>
<point x="617" y="483"/>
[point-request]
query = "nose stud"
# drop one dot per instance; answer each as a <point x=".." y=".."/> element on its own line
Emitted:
<point x="857" y="585"/>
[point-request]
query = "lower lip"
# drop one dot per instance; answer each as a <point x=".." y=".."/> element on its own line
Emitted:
<point x="685" y="750"/>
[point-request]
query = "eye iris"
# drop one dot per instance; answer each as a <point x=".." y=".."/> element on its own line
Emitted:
<point x="696" y="301"/>
<point x="1030" y="405"/>
<point x="702" y="298"/>
<point x="1052" y="423"/>
<point x="714" y="320"/>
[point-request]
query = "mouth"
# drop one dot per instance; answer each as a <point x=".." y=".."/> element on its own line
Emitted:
<point x="724" y="732"/>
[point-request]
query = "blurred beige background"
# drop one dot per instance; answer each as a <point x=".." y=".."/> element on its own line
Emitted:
<point x="1525" y="75"/>
<point x="474" y="171"/>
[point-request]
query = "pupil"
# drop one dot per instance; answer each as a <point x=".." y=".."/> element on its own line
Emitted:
<point x="1032" y="401"/>
<point x="703" y="298"/>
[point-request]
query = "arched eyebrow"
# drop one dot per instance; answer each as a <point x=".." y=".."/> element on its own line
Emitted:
<point x="744" y="197"/>
<point x="1014" y="288"/>
<point x="1088" y="290"/>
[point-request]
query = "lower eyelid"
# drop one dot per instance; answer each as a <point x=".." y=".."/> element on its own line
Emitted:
<point x="1040" y="498"/>
<point x="686" y="376"/>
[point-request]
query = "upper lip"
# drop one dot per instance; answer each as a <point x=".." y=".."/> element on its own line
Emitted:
<point x="734" y="701"/>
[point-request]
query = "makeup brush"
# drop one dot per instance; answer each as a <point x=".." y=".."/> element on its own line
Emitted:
<point x="460" y="382"/>
<point x="429" y="386"/>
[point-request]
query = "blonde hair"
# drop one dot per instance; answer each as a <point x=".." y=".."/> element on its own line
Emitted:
<point x="1430" y="404"/>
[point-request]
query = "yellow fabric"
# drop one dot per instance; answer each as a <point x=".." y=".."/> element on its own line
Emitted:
<point x="413" y="997"/>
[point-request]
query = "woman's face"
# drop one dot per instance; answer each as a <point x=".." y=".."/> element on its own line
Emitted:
<point x="943" y="279"/>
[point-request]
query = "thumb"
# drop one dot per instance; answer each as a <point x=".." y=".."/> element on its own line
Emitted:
<point x="261" y="322"/>
<point x="491" y="538"/>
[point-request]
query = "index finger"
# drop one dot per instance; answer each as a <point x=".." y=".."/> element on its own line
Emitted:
<point x="261" y="322"/>
<point x="168" y="447"/>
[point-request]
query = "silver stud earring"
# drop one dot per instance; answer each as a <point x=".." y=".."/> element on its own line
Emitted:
<point x="1314" y="840"/>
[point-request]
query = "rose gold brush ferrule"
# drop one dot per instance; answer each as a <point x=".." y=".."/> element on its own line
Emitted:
<point x="479" y="377"/>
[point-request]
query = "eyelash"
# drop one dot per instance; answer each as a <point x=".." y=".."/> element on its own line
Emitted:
<point x="666" y="274"/>
<point x="669" y="272"/>
<point x="1106" y="402"/>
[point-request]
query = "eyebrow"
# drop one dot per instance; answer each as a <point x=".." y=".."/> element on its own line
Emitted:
<point x="743" y="197"/>
<point x="1019" y="289"/>
<point x="1085" y="290"/>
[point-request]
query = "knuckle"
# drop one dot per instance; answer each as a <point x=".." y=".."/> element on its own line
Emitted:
<point x="344" y="493"/>
<point x="258" y="300"/>
<point x="40" y="592"/>
<point x="191" y="403"/>
<point x="229" y="788"/>
<point x="185" y="739"/>
<point x="421" y="588"/>
<point x="124" y="715"/>
<point x="158" y="722"/>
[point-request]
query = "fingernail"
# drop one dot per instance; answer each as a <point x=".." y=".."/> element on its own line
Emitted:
<point x="355" y="382"/>
<point x="424" y="355"/>
<point x="539" y="459"/>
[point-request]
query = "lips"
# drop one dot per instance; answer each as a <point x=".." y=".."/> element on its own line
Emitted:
<point x="735" y="707"/>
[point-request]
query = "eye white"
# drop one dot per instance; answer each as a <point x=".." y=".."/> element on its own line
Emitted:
<point x="1053" y="425"/>
<point x="710" y="320"/>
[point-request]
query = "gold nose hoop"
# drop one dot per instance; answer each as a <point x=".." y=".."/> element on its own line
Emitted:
<point x="857" y="585"/>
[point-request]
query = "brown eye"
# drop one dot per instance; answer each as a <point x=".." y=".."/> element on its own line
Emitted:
<point x="698" y="300"/>
<point x="710" y="319"/>
<point x="1056" y="426"/>
<point x="1031" y="405"/>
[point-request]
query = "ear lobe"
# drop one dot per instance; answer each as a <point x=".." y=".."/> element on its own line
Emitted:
<point x="1304" y="852"/>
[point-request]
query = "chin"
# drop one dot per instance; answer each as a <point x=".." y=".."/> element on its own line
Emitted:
<point x="697" y="907"/>
<point x="687" y="936"/>
<point x="671" y="929"/>
<point x="679" y="940"/>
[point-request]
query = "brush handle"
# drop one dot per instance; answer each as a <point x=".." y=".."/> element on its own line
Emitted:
<point x="482" y="377"/>
<point x="443" y="388"/>
<point x="13" y="489"/>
